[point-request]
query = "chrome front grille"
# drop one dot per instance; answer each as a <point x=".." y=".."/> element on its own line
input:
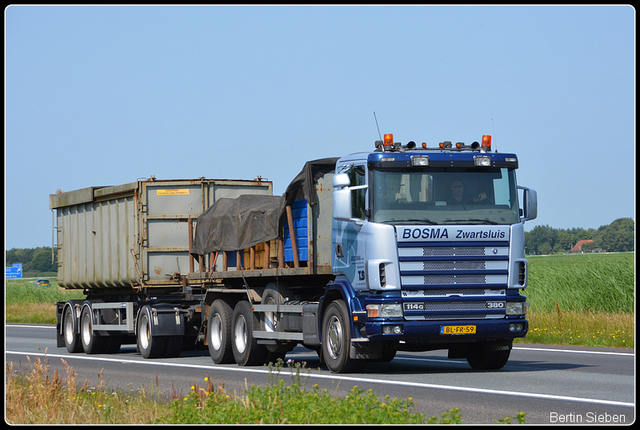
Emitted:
<point x="453" y="281"/>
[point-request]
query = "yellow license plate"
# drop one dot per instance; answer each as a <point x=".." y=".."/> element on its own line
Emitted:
<point x="457" y="329"/>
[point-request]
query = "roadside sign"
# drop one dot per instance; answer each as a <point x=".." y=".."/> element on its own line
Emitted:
<point x="14" y="272"/>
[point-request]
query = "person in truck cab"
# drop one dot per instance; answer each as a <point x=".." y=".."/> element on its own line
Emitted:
<point x="458" y="197"/>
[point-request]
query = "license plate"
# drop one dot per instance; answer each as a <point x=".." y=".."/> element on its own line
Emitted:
<point x="457" y="329"/>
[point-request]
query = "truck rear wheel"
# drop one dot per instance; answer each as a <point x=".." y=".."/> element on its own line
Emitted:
<point x="336" y="339"/>
<point x="246" y="350"/>
<point x="219" y="332"/>
<point x="274" y="294"/>
<point x="71" y="338"/>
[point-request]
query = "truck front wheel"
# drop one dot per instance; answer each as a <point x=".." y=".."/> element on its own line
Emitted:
<point x="219" y="332"/>
<point x="495" y="359"/>
<point x="246" y="350"/>
<point x="336" y="339"/>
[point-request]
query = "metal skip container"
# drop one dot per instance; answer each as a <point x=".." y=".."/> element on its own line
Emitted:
<point x="135" y="235"/>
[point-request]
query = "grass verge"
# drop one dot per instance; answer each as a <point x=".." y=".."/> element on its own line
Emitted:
<point x="589" y="328"/>
<point x="39" y="397"/>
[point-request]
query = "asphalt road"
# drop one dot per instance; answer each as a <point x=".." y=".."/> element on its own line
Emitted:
<point x="552" y="384"/>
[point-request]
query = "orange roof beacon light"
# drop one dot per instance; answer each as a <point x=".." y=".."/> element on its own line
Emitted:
<point x="486" y="143"/>
<point x="388" y="141"/>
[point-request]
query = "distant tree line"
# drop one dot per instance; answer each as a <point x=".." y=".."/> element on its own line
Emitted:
<point x="615" y="237"/>
<point x="32" y="259"/>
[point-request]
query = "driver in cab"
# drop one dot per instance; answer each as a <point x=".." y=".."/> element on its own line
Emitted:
<point x="458" y="197"/>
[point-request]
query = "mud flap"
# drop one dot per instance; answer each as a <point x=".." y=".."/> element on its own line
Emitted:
<point x="365" y="350"/>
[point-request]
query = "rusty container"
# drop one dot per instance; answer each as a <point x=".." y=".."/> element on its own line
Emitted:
<point x="135" y="235"/>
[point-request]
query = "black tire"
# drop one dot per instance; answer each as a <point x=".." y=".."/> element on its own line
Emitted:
<point x="336" y="339"/>
<point x="71" y="338"/>
<point x="219" y="332"/>
<point x="150" y="346"/>
<point x="246" y="350"/>
<point x="172" y="346"/>
<point x="92" y="343"/>
<point x="389" y="351"/>
<point x="488" y="360"/>
<point x="113" y="344"/>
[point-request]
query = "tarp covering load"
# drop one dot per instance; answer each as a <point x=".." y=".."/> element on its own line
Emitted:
<point x="302" y="186"/>
<point x="245" y="221"/>
<point x="233" y="224"/>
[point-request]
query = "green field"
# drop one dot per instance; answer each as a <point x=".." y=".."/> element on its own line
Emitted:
<point x="26" y="303"/>
<point x="582" y="299"/>
<point x="582" y="282"/>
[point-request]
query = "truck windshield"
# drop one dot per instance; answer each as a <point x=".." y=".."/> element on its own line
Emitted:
<point x="445" y="196"/>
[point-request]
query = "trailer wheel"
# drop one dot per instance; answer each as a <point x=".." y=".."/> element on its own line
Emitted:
<point x="172" y="346"/>
<point x="219" y="332"/>
<point x="92" y="343"/>
<point x="336" y="339"/>
<point x="71" y="338"/>
<point x="246" y="350"/>
<point x="150" y="346"/>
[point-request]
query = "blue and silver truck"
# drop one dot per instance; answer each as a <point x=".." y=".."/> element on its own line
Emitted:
<point x="404" y="248"/>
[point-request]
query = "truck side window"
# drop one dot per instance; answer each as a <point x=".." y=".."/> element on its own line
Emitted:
<point x="358" y="196"/>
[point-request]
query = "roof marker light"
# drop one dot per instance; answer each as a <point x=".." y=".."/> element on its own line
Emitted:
<point x="486" y="143"/>
<point x="388" y="141"/>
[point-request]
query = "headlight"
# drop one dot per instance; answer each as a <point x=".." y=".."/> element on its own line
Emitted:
<point x="390" y="310"/>
<point x="516" y="308"/>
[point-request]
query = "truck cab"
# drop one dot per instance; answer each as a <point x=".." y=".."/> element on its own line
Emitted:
<point x="430" y="241"/>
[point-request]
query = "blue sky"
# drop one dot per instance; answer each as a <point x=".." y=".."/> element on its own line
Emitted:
<point x="106" y="95"/>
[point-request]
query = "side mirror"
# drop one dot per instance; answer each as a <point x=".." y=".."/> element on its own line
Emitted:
<point x="529" y="203"/>
<point x="341" y="180"/>
<point x="341" y="197"/>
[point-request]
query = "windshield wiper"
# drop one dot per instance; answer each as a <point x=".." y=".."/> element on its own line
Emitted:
<point x="412" y="221"/>
<point x="470" y="220"/>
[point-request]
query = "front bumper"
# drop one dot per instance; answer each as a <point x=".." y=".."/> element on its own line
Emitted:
<point x="431" y="331"/>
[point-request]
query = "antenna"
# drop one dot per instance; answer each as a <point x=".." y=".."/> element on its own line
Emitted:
<point x="493" y="132"/>
<point x="374" y="117"/>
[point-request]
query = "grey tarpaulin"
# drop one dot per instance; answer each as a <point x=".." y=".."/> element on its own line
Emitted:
<point x="245" y="221"/>
<point x="302" y="186"/>
<point x="233" y="224"/>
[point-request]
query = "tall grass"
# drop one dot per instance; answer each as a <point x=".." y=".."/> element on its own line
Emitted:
<point x="26" y="303"/>
<point x="39" y="397"/>
<point x="587" y="282"/>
